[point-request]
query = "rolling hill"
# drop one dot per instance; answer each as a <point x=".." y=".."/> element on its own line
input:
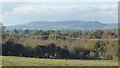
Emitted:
<point x="66" y="25"/>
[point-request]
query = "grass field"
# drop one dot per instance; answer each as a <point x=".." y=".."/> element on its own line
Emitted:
<point x="22" y="61"/>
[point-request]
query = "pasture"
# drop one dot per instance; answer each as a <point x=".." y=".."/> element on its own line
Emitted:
<point x="23" y="61"/>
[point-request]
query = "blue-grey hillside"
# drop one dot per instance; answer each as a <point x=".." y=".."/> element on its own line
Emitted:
<point x="63" y="25"/>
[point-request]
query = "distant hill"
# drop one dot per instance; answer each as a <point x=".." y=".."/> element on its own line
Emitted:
<point x="65" y="25"/>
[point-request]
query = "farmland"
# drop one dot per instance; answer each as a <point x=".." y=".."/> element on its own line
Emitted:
<point x="22" y="61"/>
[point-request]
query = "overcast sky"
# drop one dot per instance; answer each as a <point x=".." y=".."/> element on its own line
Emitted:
<point x="23" y="12"/>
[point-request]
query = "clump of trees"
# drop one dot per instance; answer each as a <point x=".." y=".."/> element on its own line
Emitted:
<point x="99" y="50"/>
<point x="105" y="50"/>
<point x="49" y="51"/>
<point x="13" y="49"/>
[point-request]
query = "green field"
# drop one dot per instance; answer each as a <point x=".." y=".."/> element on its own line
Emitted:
<point x="22" y="61"/>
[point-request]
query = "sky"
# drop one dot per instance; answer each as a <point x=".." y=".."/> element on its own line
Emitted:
<point x="14" y="13"/>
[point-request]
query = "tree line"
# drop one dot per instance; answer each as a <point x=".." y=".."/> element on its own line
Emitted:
<point x="62" y="34"/>
<point x="61" y="44"/>
<point x="98" y="50"/>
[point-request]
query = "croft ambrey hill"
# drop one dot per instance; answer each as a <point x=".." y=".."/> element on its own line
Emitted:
<point x="66" y="25"/>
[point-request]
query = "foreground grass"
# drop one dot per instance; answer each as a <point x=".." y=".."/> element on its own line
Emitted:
<point x="22" y="61"/>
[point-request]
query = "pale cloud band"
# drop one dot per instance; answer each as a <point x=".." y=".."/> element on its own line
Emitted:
<point x="59" y="0"/>
<point x="53" y="9"/>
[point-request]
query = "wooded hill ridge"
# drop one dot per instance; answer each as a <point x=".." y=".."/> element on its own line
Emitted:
<point x="64" y="25"/>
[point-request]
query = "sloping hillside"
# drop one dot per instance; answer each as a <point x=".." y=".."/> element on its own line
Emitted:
<point x="66" y="25"/>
